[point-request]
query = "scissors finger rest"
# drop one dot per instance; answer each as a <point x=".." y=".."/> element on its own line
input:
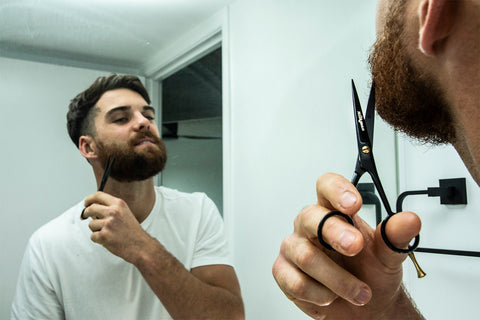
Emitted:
<point x="410" y="248"/>
<point x="322" y="222"/>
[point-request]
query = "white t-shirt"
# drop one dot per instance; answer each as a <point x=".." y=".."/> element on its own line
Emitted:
<point x="64" y="275"/>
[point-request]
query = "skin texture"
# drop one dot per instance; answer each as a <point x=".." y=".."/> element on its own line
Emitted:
<point x="438" y="45"/>
<point x="207" y="292"/>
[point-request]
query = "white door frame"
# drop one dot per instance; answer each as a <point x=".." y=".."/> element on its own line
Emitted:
<point x="203" y="39"/>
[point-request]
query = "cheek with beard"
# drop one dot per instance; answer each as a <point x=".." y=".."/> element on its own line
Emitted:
<point x="131" y="165"/>
<point x="406" y="98"/>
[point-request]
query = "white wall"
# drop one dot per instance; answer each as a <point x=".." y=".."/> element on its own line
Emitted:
<point x="292" y="120"/>
<point x="451" y="284"/>
<point x="41" y="172"/>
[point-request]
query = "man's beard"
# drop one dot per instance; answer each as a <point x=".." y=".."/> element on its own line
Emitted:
<point x="410" y="100"/>
<point x="130" y="164"/>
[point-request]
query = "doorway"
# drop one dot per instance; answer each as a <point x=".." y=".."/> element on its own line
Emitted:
<point x="191" y="102"/>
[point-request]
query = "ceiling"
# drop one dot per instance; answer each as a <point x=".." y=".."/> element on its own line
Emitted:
<point x="121" y="33"/>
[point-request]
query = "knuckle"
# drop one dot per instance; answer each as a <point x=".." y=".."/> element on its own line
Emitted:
<point x="328" y="176"/>
<point x="297" y="289"/>
<point x="332" y="224"/>
<point x="325" y="176"/>
<point x="95" y="237"/>
<point x="276" y="269"/>
<point x="285" y="245"/>
<point x="121" y="203"/>
<point x="107" y="224"/>
<point x="305" y="255"/>
<point x="300" y="219"/>
<point x="113" y="212"/>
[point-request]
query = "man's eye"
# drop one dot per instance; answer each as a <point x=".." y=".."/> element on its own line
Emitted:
<point x="149" y="116"/>
<point x="120" y="120"/>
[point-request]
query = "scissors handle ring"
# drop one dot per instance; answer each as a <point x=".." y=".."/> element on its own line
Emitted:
<point x="322" y="222"/>
<point x="410" y="248"/>
<point x="81" y="215"/>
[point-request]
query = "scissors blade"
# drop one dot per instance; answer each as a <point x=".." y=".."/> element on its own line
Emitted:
<point x="363" y="138"/>
<point x="370" y="114"/>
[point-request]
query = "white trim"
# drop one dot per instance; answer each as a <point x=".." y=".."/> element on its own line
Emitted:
<point x="202" y="40"/>
<point x="196" y="43"/>
<point x="227" y="122"/>
<point x="154" y="89"/>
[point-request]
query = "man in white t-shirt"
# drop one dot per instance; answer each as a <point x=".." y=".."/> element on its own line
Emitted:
<point x="136" y="251"/>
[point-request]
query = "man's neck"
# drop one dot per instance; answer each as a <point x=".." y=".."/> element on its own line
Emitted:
<point x="139" y="195"/>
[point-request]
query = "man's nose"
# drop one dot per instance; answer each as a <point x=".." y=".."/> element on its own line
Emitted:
<point x="141" y="122"/>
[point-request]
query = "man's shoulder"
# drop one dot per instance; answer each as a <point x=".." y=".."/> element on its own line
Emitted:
<point x="60" y="226"/>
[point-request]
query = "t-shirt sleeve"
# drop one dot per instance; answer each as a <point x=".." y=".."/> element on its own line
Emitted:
<point x="35" y="297"/>
<point x="211" y="244"/>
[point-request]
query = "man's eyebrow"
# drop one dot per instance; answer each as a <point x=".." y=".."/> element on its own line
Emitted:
<point x="149" y="108"/>
<point x="126" y="108"/>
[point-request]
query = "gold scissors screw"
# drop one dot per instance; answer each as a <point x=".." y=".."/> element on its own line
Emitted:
<point x="365" y="149"/>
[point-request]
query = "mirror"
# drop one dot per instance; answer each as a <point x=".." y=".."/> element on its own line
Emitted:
<point x="51" y="50"/>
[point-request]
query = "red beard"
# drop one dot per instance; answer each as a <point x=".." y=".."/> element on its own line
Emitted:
<point x="131" y="164"/>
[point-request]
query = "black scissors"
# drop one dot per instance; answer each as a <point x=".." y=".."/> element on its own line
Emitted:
<point x="106" y="174"/>
<point x="366" y="163"/>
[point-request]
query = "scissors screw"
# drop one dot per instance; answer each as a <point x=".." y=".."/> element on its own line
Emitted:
<point x="365" y="149"/>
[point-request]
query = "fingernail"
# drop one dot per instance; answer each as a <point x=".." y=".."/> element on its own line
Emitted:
<point x="348" y="199"/>
<point x="346" y="239"/>
<point x="363" y="297"/>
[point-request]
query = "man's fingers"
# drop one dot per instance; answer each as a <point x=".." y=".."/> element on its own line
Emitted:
<point x="337" y="193"/>
<point x="96" y="225"/>
<point x="400" y="230"/>
<point x="95" y="211"/>
<point x="298" y="286"/>
<point x="101" y="204"/>
<point x="100" y="198"/>
<point x="315" y="263"/>
<point x="336" y="231"/>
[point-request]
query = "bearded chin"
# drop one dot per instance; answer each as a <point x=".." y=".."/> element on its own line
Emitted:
<point x="131" y="165"/>
<point x="407" y="97"/>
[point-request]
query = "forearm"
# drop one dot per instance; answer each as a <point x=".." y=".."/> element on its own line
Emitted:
<point x="183" y="294"/>
<point x="402" y="308"/>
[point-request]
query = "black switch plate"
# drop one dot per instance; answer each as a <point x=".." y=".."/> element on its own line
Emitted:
<point x="453" y="191"/>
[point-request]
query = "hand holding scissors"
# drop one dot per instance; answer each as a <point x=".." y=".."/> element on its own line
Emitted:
<point x="366" y="163"/>
<point x="362" y="276"/>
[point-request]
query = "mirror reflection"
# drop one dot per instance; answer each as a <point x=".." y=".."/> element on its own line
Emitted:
<point x="53" y="67"/>
<point x="285" y="120"/>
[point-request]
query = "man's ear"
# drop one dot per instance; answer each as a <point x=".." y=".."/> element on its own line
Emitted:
<point x="436" y="20"/>
<point x="87" y="147"/>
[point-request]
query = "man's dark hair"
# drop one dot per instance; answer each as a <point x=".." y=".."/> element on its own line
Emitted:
<point x="81" y="111"/>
